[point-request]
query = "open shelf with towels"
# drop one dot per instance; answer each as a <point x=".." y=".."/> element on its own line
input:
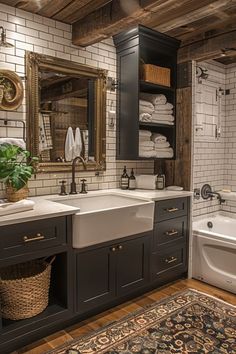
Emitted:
<point x="134" y="48"/>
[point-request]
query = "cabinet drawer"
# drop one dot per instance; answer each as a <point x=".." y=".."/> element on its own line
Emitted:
<point x="173" y="230"/>
<point x="168" y="260"/>
<point x="171" y="208"/>
<point x="31" y="236"/>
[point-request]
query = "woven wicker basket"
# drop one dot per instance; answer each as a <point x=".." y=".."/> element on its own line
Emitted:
<point x="15" y="196"/>
<point x="156" y="74"/>
<point x="24" y="289"/>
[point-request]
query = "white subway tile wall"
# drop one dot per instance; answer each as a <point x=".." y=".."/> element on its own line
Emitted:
<point x="39" y="34"/>
<point x="209" y="155"/>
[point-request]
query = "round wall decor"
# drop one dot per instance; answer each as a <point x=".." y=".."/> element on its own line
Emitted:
<point x="11" y="90"/>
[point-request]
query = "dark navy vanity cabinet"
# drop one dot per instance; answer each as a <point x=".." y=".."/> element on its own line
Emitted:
<point x="89" y="280"/>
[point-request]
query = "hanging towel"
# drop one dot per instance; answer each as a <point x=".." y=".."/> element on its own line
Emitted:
<point x="153" y="98"/>
<point x="42" y="135"/>
<point x="69" y="144"/>
<point x="156" y="137"/>
<point x="13" y="141"/>
<point x="145" y="117"/>
<point x="77" y="143"/>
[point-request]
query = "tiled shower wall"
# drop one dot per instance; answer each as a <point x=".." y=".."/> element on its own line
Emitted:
<point x="209" y="153"/>
<point x="42" y="35"/>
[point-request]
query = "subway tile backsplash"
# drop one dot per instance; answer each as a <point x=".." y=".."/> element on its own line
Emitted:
<point x="39" y="34"/>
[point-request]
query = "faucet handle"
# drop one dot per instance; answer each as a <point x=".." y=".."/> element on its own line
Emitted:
<point x="84" y="186"/>
<point x="63" y="188"/>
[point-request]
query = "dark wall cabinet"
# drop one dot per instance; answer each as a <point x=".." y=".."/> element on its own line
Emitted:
<point x="135" y="47"/>
<point x="105" y="273"/>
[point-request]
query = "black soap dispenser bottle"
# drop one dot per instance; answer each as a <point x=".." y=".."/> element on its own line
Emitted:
<point x="124" y="181"/>
<point x="132" y="180"/>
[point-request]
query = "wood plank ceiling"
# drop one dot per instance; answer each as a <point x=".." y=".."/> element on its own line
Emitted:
<point x="192" y="21"/>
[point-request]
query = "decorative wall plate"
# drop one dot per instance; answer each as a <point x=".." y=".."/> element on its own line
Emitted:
<point x="11" y="90"/>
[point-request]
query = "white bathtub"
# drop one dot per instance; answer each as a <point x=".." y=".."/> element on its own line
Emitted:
<point x="214" y="251"/>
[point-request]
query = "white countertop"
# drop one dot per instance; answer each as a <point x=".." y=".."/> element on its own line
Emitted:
<point x="46" y="208"/>
<point x="43" y="209"/>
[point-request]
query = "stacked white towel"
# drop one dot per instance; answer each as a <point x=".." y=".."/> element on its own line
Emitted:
<point x="162" y="146"/>
<point x="157" y="108"/>
<point x="13" y="141"/>
<point x="146" y="146"/>
<point x="145" y="107"/>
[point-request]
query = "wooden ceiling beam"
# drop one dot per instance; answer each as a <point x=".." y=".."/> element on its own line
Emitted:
<point x="208" y="48"/>
<point x="79" y="9"/>
<point x="53" y="7"/>
<point x="188" y="15"/>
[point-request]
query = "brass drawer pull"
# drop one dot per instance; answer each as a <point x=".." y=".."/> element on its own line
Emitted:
<point x="171" y="260"/>
<point x="33" y="238"/>
<point x="172" y="232"/>
<point x="171" y="210"/>
<point x="113" y="249"/>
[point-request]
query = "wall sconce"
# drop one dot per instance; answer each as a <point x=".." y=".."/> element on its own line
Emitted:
<point x="3" y="41"/>
<point x="111" y="84"/>
<point x="111" y="115"/>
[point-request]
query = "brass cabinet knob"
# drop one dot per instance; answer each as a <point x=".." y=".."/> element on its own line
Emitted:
<point x="113" y="249"/>
<point x="120" y="247"/>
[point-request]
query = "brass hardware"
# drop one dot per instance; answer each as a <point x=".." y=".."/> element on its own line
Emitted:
<point x="172" y="232"/>
<point x="171" y="260"/>
<point x="171" y="210"/>
<point x="113" y="249"/>
<point x="33" y="238"/>
<point x="120" y="247"/>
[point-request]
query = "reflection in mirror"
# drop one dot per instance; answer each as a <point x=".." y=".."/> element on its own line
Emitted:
<point x="66" y="112"/>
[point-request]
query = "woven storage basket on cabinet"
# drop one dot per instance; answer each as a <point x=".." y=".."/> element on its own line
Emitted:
<point x="24" y="289"/>
<point x="156" y="74"/>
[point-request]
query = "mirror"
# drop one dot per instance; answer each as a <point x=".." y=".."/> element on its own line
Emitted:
<point x="66" y="105"/>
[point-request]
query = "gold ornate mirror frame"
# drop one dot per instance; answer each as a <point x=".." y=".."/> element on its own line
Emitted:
<point x="36" y="62"/>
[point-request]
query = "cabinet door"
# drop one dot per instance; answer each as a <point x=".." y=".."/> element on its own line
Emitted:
<point x="132" y="265"/>
<point x="95" y="278"/>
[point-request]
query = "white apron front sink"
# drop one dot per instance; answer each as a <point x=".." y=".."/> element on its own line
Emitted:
<point x="108" y="217"/>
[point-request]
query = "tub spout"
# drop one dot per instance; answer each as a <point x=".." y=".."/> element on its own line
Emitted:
<point x="212" y="194"/>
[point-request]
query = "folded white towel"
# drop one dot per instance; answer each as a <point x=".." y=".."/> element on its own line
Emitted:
<point x="153" y="98"/>
<point x="144" y="133"/>
<point x="145" y="117"/>
<point x="156" y="137"/>
<point x="161" y="144"/>
<point x="165" y="149"/>
<point x="165" y="106"/>
<point x="143" y="109"/>
<point x="165" y="112"/>
<point x="13" y="141"/>
<point x="77" y="143"/>
<point x="69" y="144"/>
<point x="146" y="149"/>
<point x="12" y="208"/>
<point x="146" y="181"/>
<point x="146" y="103"/>
<point x="167" y="122"/>
<point x="157" y="116"/>
<point x="147" y="143"/>
<point x="148" y="154"/>
<point x="165" y="154"/>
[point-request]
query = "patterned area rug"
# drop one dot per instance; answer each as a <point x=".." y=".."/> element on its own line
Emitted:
<point x="188" y="322"/>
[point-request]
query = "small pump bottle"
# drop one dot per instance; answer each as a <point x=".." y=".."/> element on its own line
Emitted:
<point x="124" y="181"/>
<point x="132" y="180"/>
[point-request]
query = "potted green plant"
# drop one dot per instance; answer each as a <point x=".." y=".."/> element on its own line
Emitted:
<point x="16" y="168"/>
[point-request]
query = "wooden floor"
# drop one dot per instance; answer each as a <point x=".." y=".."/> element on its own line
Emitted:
<point x="120" y="311"/>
